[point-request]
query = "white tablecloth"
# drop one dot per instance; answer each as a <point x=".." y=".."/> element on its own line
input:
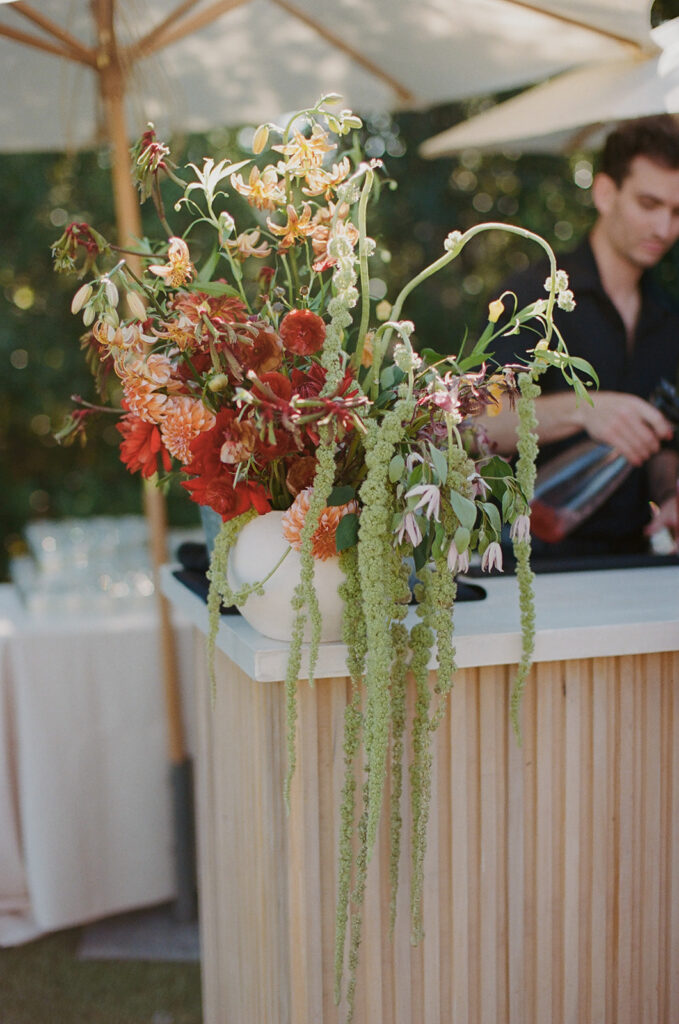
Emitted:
<point x="86" y="826"/>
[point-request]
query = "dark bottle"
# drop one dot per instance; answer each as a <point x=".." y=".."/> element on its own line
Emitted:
<point x="570" y="487"/>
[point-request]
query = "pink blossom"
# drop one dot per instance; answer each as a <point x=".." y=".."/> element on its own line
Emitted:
<point x="457" y="562"/>
<point x="410" y="529"/>
<point x="520" y="528"/>
<point x="430" y="499"/>
<point x="492" y="557"/>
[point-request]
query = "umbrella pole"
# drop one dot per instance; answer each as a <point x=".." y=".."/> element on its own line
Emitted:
<point x="128" y="219"/>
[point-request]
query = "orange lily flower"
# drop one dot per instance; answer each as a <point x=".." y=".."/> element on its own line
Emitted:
<point x="296" y="228"/>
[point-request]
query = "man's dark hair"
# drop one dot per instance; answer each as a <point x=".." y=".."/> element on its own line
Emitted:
<point x="654" y="137"/>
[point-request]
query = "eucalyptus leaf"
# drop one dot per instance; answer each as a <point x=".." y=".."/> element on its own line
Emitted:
<point x="437" y="547"/>
<point x="346" y="534"/>
<point x="464" y="509"/>
<point x="440" y="463"/>
<point x="493" y="514"/>
<point x="461" y="539"/>
<point x="391" y="376"/>
<point x="496" y="467"/>
<point x="496" y="474"/>
<point x="341" y="495"/>
<point x="420" y="555"/>
<point x="508" y="503"/>
<point x="415" y="475"/>
<point x="396" y="468"/>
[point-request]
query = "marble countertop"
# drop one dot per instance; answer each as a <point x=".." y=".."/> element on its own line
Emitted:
<point x="579" y="615"/>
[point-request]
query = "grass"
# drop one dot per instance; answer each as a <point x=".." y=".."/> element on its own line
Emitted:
<point x="43" y="982"/>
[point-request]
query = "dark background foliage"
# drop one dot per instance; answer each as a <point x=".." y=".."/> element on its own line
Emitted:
<point x="41" y="363"/>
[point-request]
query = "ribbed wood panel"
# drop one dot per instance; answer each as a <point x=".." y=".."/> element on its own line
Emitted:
<point x="552" y="871"/>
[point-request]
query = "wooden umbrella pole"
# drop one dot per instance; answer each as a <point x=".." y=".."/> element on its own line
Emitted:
<point x="112" y="84"/>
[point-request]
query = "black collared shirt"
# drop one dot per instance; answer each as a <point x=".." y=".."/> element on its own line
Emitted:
<point x="595" y="331"/>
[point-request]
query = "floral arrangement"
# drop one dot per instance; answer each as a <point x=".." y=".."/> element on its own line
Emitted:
<point x="257" y="366"/>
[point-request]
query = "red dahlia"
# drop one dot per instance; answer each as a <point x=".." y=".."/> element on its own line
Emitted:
<point x="302" y="331"/>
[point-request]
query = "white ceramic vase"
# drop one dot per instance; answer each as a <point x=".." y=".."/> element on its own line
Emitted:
<point x="259" y="545"/>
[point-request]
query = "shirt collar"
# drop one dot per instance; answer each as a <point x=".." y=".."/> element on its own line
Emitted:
<point x="584" y="276"/>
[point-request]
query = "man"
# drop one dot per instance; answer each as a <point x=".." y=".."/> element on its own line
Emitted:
<point x="626" y="329"/>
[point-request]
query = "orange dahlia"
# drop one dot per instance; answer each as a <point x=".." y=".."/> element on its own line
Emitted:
<point x="143" y="399"/>
<point x="183" y="420"/>
<point x="323" y="543"/>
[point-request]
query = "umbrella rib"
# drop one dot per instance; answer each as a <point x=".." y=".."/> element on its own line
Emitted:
<point x="578" y="23"/>
<point x="168" y="31"/>
<point x="42" y="44"/>
<point x="404" y="94"/>
<point x="148" y="42"/>
<point x="73" y="47"/>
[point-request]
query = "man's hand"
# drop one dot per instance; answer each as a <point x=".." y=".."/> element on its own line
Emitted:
<point x="627" y="423"/>
<point x="665" y="516"/>
<point x="663" y="483"/>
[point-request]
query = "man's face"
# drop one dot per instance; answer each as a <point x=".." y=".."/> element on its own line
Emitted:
<point x="640" y="218"/>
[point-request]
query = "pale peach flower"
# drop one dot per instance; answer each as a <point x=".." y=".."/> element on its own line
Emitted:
<point x="179" y="268"/>
<point x="306" y="152"/>
<point x="240" y="446"/>
<point x="246" y="245"/>
<point x="319" y="241"/>
<point x="319" y="181"/>
<point x="143" y="399"/>
<point x="180" y="332"/>
<point x="126" y="338"/>
<point x="367" y="352"/>
<point x="156" y="368"/>
<point x="264" y="191"/>
<point x="320" y="235"/>
<point x="142" y="378"/>
<point x="184" y="418"/>
<point x="323" y="542"/>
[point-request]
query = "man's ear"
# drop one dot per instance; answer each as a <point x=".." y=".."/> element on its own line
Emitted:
<point x="604" y="191"/>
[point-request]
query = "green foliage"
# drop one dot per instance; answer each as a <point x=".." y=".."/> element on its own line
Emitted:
<point x="41" y="364"/>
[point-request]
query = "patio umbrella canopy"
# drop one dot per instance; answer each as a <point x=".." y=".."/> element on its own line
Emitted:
<point x="198" y="64"/>
<point x="577" y="107"/>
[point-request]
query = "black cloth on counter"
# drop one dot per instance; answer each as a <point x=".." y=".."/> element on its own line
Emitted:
<point x="194" y="562"/>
